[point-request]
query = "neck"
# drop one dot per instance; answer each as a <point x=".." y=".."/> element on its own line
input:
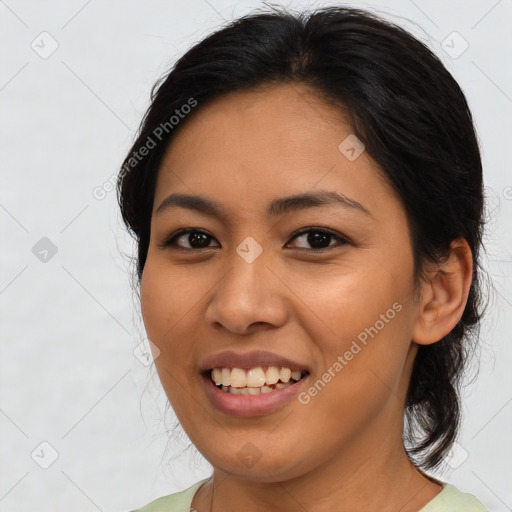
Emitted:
<point x="373" y="474"/>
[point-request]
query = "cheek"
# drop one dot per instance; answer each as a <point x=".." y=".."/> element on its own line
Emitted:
<point x="343" y="302"/>
<point x="161" y="312"/>
<point x="166" y="298"/>
<point x="152" y="306"/>
<point x="164" y="312"/>
<point x="170" y="300"/>
<point x="360" y="380"/>
<point x="361" y="323"/>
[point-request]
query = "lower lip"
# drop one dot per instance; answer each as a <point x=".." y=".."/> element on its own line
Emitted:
<point x="251" y="405"/>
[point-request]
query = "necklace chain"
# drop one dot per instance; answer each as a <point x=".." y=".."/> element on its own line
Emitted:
<point x="192" y="509"/>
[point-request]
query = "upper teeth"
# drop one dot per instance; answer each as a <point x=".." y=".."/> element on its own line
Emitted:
<point x="253" y="378"/>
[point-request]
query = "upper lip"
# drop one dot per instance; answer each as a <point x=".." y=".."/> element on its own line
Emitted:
<point x="248" y="360"/>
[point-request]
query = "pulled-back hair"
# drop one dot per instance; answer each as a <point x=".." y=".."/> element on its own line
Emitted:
<point x="414" y="121"/>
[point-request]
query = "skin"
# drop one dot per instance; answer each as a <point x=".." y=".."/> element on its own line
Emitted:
<point x="244" y="150"/>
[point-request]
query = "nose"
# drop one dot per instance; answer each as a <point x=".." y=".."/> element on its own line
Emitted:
<point x="251" y="295"/>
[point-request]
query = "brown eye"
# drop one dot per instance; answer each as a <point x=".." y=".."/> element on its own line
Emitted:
<point x="314" y="239"/>
<point x="319" y="239"/>
<point x="196" y="240"/>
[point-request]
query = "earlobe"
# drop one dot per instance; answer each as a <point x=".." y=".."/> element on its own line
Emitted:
<point x="444" y="295"/>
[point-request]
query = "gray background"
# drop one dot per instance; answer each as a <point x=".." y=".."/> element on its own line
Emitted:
<point x="69" y="377"/>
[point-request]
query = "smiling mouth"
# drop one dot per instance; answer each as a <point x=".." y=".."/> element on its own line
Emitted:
<point x="255" y="381"/>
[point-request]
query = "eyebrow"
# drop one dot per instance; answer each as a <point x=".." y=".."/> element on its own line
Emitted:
<point x="275" y="208"/>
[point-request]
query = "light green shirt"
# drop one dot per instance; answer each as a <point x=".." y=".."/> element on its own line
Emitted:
<point x="450" y="499"/>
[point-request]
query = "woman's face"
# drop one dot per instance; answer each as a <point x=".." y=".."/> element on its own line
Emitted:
<point x="323" y="286"/>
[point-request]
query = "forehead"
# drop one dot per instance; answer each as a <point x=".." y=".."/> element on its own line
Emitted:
<point x="248" y="147"/>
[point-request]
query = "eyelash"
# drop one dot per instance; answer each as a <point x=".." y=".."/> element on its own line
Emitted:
<point x="171" y="241"/>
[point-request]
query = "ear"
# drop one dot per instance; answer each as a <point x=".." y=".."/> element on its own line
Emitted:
<point x="444" y="295"/>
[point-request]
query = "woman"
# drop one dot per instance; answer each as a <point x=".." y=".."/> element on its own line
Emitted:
<point x="306" y="195"/>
